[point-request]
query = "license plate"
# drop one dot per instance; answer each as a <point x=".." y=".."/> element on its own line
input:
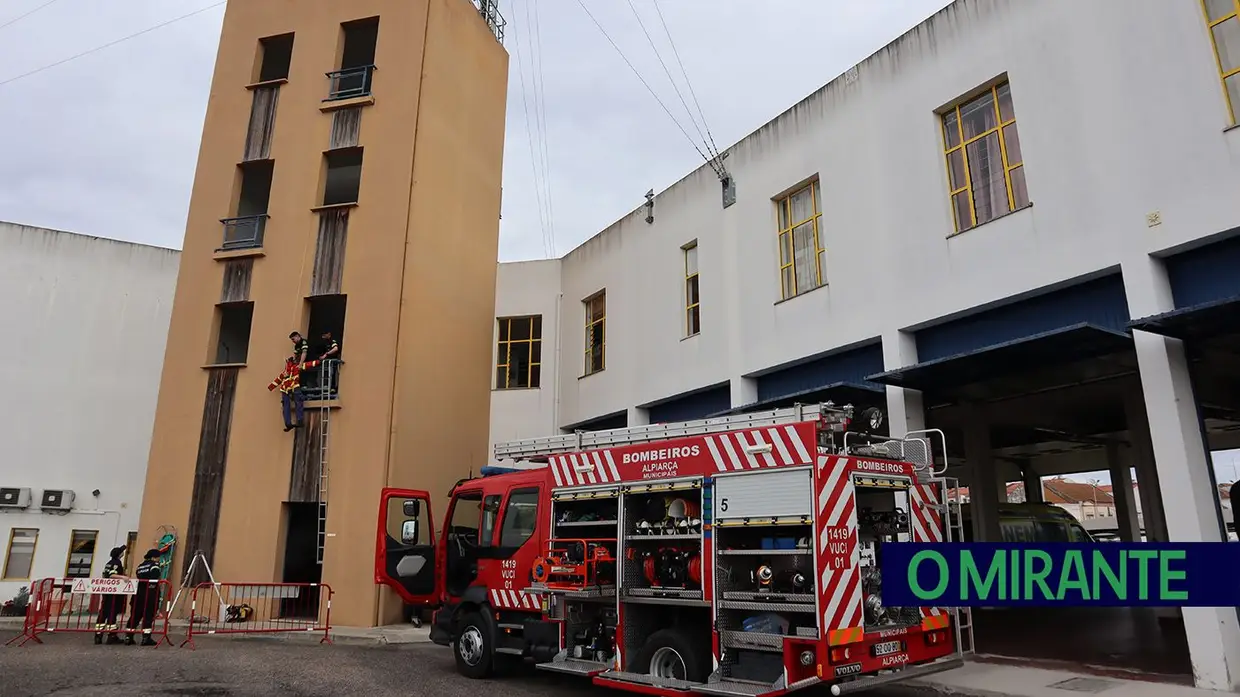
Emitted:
<point x="886" y="648"/>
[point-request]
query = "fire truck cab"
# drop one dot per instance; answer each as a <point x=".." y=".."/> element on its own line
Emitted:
<point x="730" y="556"/>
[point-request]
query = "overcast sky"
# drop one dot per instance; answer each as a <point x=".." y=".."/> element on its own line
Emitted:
<point x="106" y="144"/>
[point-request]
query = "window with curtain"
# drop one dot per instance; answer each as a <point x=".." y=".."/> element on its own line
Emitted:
<point x="802" y="266"/>
<point x="1223" y="20"/>
<point x="518" y="353"/>
<point x="985" y="170"/>
<point x="596" y="321"/>
<point x="693" y="313"/>
<point x="19" y="557"/>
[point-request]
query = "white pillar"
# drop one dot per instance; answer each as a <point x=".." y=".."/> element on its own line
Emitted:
<point x="905" y="410"/>
<point x="1121" y="491"/>
<point x="1033" y="483"/>
<point x="744" y="391"/>
<point x="1183" y="467"/>
<point x="638" y="416"/>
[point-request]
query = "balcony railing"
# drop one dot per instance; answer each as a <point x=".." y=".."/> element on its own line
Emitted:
<point x="322" y="383"/>
<point x="350" y="83"/>
<point x="245" y="232"/>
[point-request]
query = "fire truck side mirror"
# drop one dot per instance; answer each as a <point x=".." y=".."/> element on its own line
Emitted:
<point x="409" y="532"/>
<point x="413" y="508"/>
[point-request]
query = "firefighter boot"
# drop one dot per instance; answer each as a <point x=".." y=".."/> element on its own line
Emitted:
<point x="147" y="640"/>
<point x="129" y="640"/>
<point x="98" y="638"/>
<point x="112" y="639"/>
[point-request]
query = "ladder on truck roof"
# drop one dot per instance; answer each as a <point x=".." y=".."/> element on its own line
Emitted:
<point x="534" y="448"/>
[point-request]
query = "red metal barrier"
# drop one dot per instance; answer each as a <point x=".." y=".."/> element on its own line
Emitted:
<point x="108" y="608"/>
<point x="259" y="608"/>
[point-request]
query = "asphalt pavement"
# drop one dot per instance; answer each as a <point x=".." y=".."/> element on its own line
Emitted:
<point x="71" y="666"/>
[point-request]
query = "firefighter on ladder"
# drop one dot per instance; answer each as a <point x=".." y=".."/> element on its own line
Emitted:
<point x="111" y="605"/>
<point x="292" y="399"/>
<point x="146" y="600"/>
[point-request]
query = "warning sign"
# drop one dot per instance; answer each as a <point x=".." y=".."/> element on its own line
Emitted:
<point x="107" y="586"/>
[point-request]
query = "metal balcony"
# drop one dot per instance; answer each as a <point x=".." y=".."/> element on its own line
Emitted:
<point x="350" y="83"/>
<point x="245" y="232"/>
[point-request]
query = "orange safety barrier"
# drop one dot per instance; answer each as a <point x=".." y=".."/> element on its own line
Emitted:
<point x="259" y="608"/>
<point x="109" y="608"/>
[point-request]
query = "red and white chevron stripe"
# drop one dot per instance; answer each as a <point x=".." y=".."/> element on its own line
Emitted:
<point x="927" y="523"/>
<point x="840" y="588"/>
<point x="580" y="469"/>
<point x="732" y="450"/>
<point x="514" y="600"/>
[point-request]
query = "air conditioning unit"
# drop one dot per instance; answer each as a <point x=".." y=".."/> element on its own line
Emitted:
<point x="14" y="498"/>
<point x="56" y="500"/>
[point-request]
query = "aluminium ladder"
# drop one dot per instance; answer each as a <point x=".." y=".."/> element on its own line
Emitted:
<point x="325" y="385"/>
<point x="534" y="449"/>
<point x="954" y="528"/>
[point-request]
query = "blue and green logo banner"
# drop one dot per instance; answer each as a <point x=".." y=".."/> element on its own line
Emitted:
<point x="1020" y="575"/>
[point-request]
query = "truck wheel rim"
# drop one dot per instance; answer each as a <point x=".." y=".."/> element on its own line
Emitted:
<point x="667" y="663"/>
<point x="470" y="645"/>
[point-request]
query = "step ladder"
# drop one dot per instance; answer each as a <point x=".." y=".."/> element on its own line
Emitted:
<point x="326" y="383"/>
<point x="532" y="449"/>
<point x="953" y="524"/>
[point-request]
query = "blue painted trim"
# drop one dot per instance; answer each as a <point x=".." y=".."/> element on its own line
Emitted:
<point x="1201" y="321"/>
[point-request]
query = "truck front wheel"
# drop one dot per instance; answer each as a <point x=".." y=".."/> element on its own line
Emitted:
<point x="475" y="646"/>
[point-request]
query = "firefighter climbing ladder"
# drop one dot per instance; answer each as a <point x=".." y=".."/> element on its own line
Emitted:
<point x="326" y="383"/>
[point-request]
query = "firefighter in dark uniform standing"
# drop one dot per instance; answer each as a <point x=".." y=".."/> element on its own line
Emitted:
<point x="146" y="600"/>
<point x="328" y="349"/>
<point x="111" y="605"/>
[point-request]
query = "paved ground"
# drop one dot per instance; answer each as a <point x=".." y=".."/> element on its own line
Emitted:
<point x="71" y="666"/>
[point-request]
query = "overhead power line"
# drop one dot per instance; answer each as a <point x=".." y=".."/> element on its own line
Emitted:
<point x="688" y="82"/>
<point x="110" y="44"/>
<point x="649" y="89"/>
<point x="19" y="18"/>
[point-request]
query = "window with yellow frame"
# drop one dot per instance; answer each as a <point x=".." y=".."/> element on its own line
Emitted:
<point x="19" y="557"/>
<point x="693" y="301"/>
<point x="596" y="322"/>
<point x="81" y="553"/>
<point x="1223" y="19"/>
<point x="518" y="353"/>
<point x="985" y="169"/>
<point x="802" y="258"/>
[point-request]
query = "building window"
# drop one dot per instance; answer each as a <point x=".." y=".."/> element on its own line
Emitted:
<point x="1223" y="16"/>
<point x="81" y="553"/>
<point x="518" y="355"/>
<point x="985" y="171"/>
<point x="693" y="313"/>
<point x="131" y="548"/>
<point x="20" y="555"/>
<point x="596" y="321"/>
<point x="801" y="252"/>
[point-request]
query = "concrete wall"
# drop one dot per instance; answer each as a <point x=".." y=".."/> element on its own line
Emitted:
<point x="1119" y="116"/>
<point x="419" y="274"/>
<point x="84" y="320"/>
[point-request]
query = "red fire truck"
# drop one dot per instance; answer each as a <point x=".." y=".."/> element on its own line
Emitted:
<point x="729" y="556"/>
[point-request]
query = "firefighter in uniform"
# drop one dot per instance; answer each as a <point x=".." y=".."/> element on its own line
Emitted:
<point x="301" y="347"/>
<point x="292" y="398"/>
<point x="328" y="350"/>
<point x="111" y="605"/>
<point x="145" y="602"/>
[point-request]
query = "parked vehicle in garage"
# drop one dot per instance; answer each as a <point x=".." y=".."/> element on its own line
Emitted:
<point x="1031" y="522"/>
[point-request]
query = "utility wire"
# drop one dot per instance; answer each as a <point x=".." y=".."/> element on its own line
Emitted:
<point x="529" y="135"/>
<point x="688" y="82"/>
<point x="540" y="113"/>
<point x="111" y="43"/>
<point x="19" y="18"/>
<point x="648" y="88"/>
<point x="670" y="79"/>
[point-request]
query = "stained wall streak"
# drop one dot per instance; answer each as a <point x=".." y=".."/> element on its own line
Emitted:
<point x="236" y="286"/>
<point x="303" y="485"/>
<point x="346" y="127"/>
<point x="262" y="123"/>
<point x="328" y="273"/>
<point x="204" y="511"/>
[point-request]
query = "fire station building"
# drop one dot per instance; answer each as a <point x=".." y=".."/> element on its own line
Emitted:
<point x="1017" y="223"/>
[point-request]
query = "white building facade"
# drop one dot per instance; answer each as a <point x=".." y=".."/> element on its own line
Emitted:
<point x="1019" y="180"/>
<point x="86" y="320"/>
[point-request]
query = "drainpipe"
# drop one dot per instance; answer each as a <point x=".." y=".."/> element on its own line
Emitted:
<point x="555" y="404"/>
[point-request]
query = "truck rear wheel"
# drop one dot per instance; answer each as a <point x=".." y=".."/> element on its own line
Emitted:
<point x="672" y="653"/>
<point x="475" y="646"/>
